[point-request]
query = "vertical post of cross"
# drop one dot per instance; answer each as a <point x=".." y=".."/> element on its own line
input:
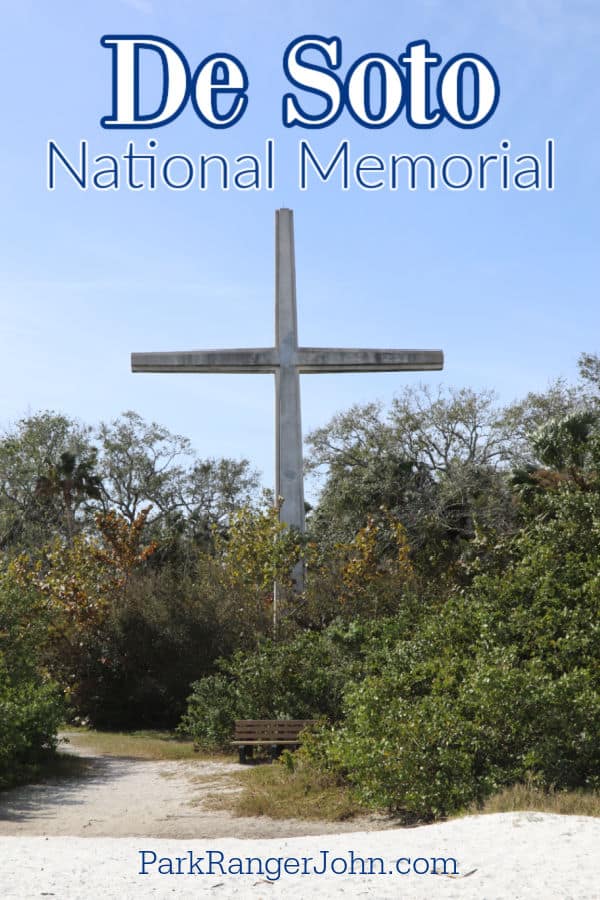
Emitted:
<point x="289" y="480"/>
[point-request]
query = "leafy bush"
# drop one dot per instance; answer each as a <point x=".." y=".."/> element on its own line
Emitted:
<point x="30" y="714"/>
<point x="127" y="639"/>
<point x="300" y="679"/>
<point x="212" y="708"/>
<point x="500" y="685"/>
<point x="31" y="705"/>
<point x="430" y="755"/>
<point x="158" y="636"/>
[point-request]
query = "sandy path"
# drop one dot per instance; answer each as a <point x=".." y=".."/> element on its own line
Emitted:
<point x="124" y="797"/>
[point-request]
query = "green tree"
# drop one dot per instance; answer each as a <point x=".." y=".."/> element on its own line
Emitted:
<point x="521" y="420"/>
<point x="568" y="450"/>
<point x="214" y="491"/>
<point x="589" y="373"/>
<point x="141" y="464"/>
<point x="80" y="585"/>
<point x="28" y="451"/>
<point x="145" y="464"/>
<point x="73" y="480"/>
<point x="436" y="460"/>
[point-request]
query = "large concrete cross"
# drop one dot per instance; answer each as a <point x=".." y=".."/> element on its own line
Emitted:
<point x="287" y="361"/>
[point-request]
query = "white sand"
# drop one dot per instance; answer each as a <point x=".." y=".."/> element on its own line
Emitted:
<point x="510" y="855"/>
<point x="81" y="839"/>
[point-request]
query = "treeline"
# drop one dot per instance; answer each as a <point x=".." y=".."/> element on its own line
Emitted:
<point x="112" y="530"/>
<point x="448" y="633"/>
<point x="56" y="474"/>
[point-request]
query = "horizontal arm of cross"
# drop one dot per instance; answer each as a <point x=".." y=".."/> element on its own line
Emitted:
<point x="323" y="359"/>
<point x="240" y="361"/>
<point x="307" y="360"/>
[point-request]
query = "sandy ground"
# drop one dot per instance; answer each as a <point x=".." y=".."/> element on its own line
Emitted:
<point x="123" y="797"/>
<point x="83" y="839"/>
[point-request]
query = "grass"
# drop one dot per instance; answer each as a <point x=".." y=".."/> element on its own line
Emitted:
<point x="276" y="792"/>
<point x="273" y="791"/>
<point x="155" y="745"/>
<point x="279" y="793"/>
<point x="527" y="797"/>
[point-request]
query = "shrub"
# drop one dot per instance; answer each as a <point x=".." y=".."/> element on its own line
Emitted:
<point x="299" y="679"/>
<point x="157" y="637"/>
<point x="428" y="756"/>
<point x="30" y="714"/>
<point x="31" y="705"/>
<point x="212" y="708"/>
<point x="499" y="685"/>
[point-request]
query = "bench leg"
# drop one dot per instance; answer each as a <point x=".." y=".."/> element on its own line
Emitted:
<point x="245" y="753"/>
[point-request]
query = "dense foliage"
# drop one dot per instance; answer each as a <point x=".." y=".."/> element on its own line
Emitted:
<point x="111" y="531"/>
<point x="443" y="703"/>
<point x="447" y="636"/>
<point x="301" y="678"/>
<point x="31" y="705"/>
<point x="500" y="684"/>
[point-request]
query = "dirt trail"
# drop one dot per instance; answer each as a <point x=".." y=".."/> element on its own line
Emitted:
<point x="124" y="797"/>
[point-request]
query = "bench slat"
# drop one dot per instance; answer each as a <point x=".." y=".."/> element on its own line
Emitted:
<point x="269" y="730"/>
<point x="260" y="743"/>
<point x="274" y="721"/>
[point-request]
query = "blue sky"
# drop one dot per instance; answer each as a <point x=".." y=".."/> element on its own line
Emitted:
<point x="504" y="283"/>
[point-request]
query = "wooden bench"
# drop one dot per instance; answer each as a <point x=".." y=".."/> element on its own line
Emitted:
<point x="273" y="733"/>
